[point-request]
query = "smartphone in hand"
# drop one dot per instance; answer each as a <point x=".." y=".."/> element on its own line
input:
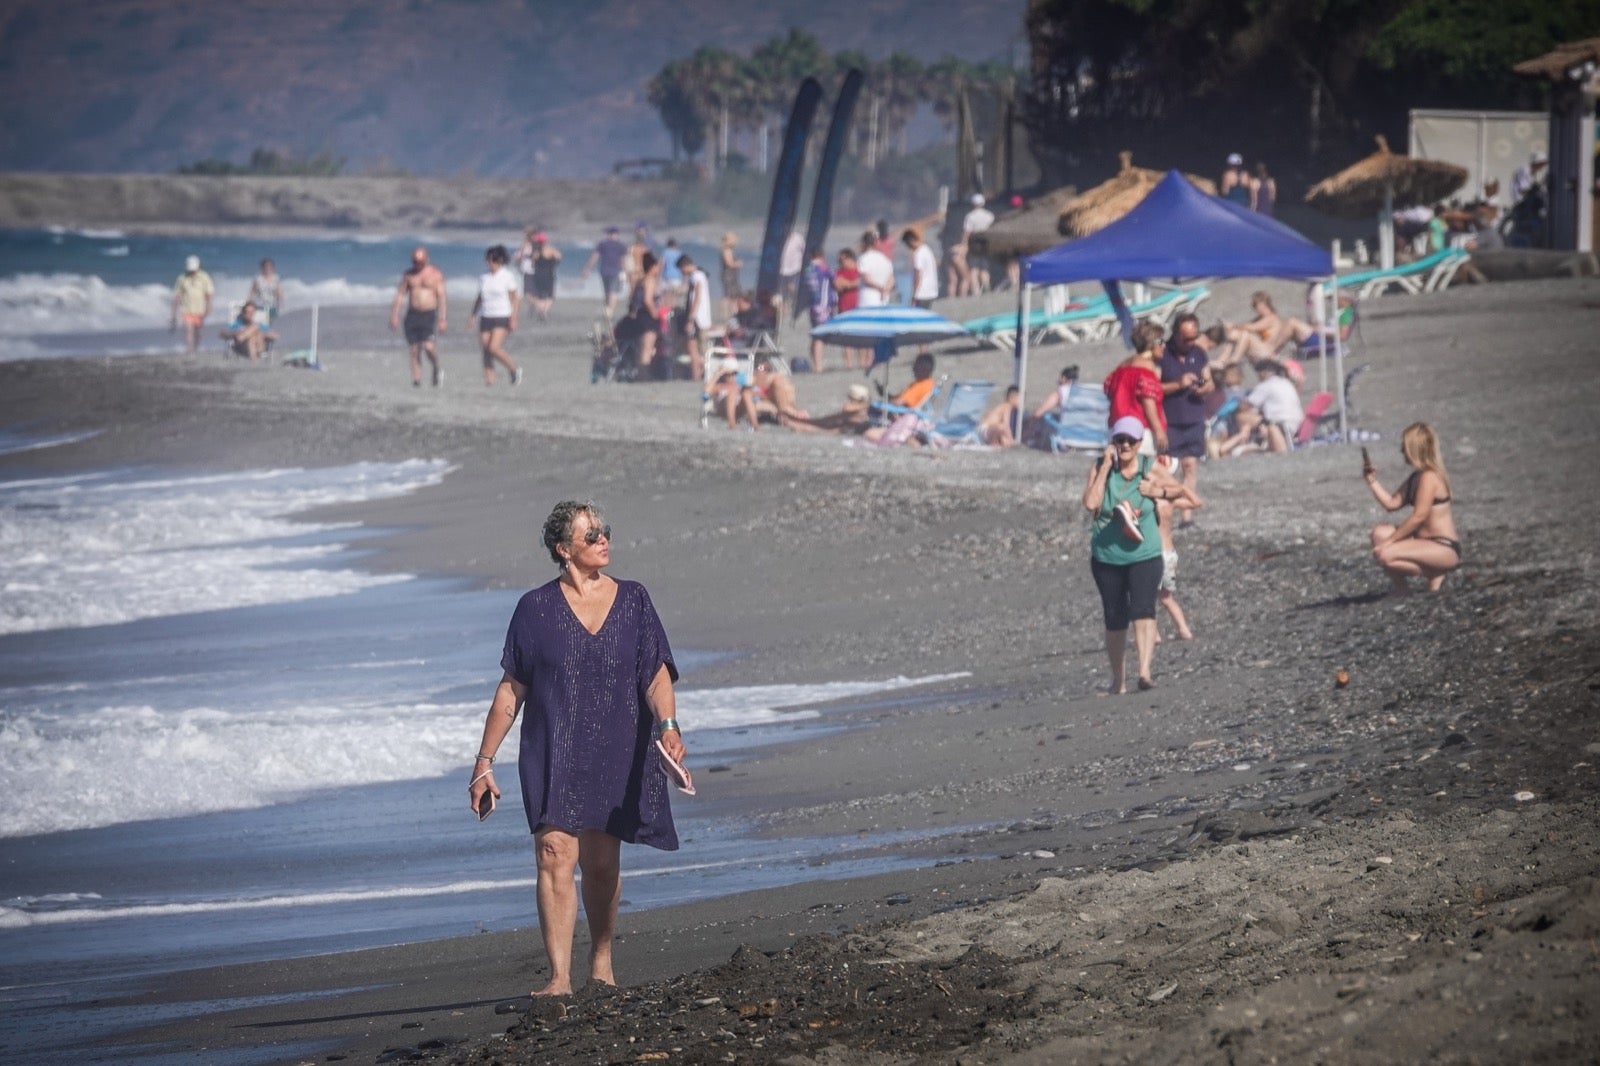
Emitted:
<point x="1366" y="461"/>
<point x="485" y="804"/>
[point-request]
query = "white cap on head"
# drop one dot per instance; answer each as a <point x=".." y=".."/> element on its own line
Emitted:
<point x="1235" y="159"/>
<point x="1538" y="157"/>
<point x="192" y="263"/>
<point x="977" y="199"/>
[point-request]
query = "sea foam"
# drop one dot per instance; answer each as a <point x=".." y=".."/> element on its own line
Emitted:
<point x="99" y="548"/>
<point x="132" y="763"/>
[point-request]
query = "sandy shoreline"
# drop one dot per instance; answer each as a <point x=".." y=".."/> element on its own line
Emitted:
<point x="817" y="562"/>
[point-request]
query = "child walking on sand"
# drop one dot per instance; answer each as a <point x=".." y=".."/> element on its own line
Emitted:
<point x="1167" y="591"/>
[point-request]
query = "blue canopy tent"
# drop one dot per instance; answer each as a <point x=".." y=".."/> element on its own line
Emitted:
<point x="1177" y="231"/>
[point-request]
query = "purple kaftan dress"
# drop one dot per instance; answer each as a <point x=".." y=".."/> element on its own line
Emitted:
<point x="588" y="757"/>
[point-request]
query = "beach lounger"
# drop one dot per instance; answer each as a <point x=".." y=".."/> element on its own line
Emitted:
<point x="963" y="410"/>
<point x="1428" y="274"/>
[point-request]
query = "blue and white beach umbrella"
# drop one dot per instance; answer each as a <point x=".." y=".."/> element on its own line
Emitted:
<point x="866" y="326"/>
<point x="883" y="329"/>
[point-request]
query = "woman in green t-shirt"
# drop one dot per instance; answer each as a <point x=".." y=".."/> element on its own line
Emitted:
<point x="1125" y="549"/>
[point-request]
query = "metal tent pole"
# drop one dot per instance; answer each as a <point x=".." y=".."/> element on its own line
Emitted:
<point x="1024" y="292"/>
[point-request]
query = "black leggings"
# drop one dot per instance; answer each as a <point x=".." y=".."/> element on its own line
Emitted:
<point x="1127" y="592"/>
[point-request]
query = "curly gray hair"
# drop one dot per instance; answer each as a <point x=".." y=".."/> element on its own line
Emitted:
<point x="558" y="527"/>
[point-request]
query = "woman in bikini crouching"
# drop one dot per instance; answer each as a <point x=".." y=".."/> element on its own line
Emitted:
<point x="1425" y="545"/>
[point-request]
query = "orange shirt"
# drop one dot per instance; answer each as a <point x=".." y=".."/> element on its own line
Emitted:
<point x="915" y="394"/>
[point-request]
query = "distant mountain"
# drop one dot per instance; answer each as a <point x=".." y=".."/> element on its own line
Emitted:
<point x="545" y="88"/>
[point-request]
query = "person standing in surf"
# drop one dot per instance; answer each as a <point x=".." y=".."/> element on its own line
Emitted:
<point x="421" y="295"/>
<point x="587" y="657"/>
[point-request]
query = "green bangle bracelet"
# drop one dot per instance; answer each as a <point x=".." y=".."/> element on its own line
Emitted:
<point x="670" y="723"/>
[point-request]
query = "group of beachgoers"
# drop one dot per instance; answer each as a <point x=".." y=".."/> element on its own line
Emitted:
<point x="601" y="748"/>
<point x="1169" y="404"/>
<point x="421" y="308"/>
<point x="249" y="334"/>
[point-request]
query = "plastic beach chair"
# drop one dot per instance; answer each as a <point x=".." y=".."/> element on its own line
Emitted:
<point x="886" y="411"/>
<point x="1082" y="422"/>
<point x="963" y="410"/>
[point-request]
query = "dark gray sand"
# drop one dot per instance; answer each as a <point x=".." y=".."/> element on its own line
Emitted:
<point x="1251" y="863"/>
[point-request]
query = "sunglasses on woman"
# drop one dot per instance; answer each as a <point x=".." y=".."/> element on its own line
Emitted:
<point x="1123" y="442"/>
<point x="593" y="534"/>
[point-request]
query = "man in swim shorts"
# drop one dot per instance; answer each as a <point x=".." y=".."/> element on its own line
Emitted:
<point x="191" y="299"/>
<point x="421" y="295"/>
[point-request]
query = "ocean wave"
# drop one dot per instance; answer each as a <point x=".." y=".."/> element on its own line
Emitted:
<point x="128" y="763"/>
<point x="100" y="549"/>
<point x="84" y="303"/>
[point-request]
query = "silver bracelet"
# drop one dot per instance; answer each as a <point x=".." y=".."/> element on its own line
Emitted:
<point x="486" y="758"/>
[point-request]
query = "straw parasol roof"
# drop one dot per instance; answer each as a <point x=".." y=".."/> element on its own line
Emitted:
<point x="1115" y="197"/>
<point x="1358" y="191"/>
<point x="1556" y="65"/>
<point x="1026" y="232"/>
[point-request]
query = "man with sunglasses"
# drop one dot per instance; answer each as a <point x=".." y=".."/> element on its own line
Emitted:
<point x="1184" y="384"/>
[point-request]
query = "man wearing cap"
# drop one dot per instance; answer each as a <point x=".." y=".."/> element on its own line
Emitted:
<point x="1523" y="181"/>
<point x="191" y="299"/>
<point x="1235" y="183"/>
<point x="977" y="220"/>
<point x="609" y="254"/>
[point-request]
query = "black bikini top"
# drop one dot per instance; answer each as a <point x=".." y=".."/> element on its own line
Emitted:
<point x="1408" y="491"/>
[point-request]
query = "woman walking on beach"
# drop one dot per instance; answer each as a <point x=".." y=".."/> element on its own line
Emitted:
<point x="588" y="657"/>
<point x="496" y="312"/>
<point x="1125" y="548"/>
<point x="1425" y="545"/>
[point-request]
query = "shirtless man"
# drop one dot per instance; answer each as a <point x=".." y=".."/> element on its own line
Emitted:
<point x="421" y="293"/>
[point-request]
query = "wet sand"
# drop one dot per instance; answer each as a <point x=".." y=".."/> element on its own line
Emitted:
<point x="1321" y="871"/>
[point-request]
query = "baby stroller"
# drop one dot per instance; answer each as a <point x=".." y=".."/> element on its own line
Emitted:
<point x="616" y="356"/>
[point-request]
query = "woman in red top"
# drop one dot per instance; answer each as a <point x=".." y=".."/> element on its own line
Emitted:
<point x="1134" y="387"/>
<point x="847" y="283"/>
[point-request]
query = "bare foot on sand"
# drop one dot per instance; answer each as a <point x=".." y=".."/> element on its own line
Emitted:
<point x="1145" y="684"/>
<point x="554" y="988"/>
<point x="1436" y="583"/>
<point x="600" y="970"/>
<point x="1185" y="633"/>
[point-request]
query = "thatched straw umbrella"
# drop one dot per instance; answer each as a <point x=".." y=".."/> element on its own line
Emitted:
<point x="1115" y="197"/>
<point x="1027" y="232"/>
<point x="1379" y="183"/>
